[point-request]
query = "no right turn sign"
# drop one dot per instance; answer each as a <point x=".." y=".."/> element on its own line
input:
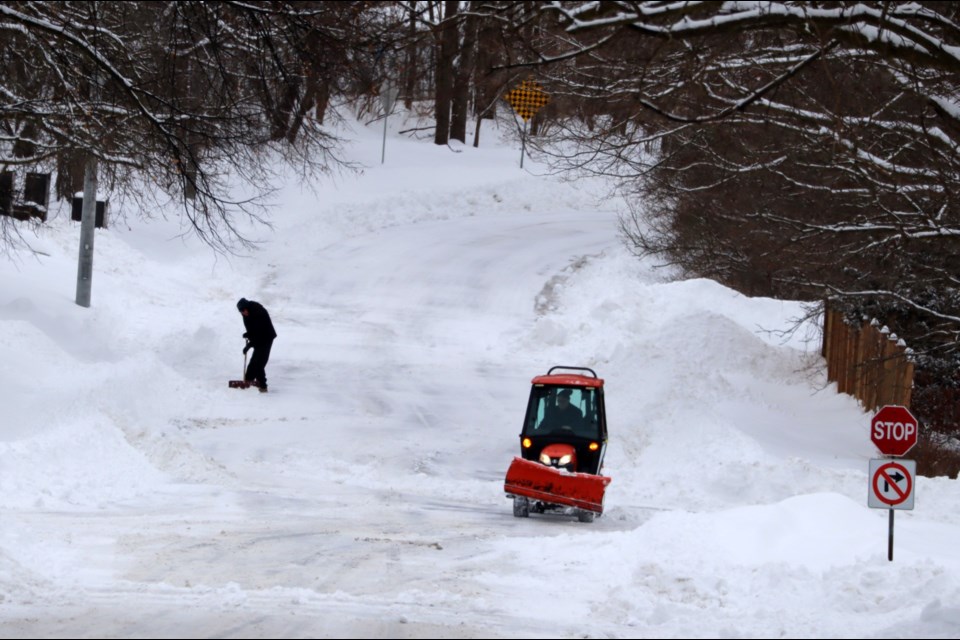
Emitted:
<point x="891" y="484"/>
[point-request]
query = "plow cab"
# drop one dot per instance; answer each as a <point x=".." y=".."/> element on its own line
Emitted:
<point x="562" y="444"/>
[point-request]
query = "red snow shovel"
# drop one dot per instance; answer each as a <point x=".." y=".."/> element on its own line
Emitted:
<point x="241" y="384"/>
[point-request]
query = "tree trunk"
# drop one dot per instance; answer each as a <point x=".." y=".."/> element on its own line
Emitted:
<point x="486" y="81"/>
<point x="444" y="85"/>
<point x="462" y="82"/>
<point x="410" y="68"/>
<point x="70" y="166"/>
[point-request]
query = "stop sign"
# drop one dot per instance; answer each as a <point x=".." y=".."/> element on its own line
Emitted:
<point x="894" y="430"/>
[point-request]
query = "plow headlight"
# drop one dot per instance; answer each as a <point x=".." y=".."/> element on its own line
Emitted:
<point x="560" y="462"/>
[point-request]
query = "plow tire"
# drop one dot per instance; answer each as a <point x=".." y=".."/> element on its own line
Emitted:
<point x="521" y="507"/>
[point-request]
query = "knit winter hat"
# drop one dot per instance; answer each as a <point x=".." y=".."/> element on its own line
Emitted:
<point x="242" y="304"/>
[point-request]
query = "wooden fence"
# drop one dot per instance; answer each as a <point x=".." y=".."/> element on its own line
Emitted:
<point x="867" y="362"/>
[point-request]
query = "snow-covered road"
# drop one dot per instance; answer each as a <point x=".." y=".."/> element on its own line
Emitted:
<point x="363" y="496"/>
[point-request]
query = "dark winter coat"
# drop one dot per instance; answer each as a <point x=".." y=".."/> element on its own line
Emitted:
<point x="570" y="417"/>
<point x="257" y="322"/>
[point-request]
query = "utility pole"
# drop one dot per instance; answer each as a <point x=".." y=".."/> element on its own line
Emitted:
<point x="88" y="213"/>
<point x="88" y="218"/>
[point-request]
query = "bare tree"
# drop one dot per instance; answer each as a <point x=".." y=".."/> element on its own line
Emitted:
<point x="178" y="94"/>
<point x="797" y="149"/>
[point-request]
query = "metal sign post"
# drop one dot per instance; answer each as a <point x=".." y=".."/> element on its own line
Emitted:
<point x="388" y="96"/>
<point x="523" y="143"/>
<point x="890" y="537"/>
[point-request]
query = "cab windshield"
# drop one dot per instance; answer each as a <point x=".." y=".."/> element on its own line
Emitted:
<point x="562" y="411"/>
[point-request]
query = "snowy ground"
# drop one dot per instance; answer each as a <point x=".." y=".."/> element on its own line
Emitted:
<point x="363" y="496"/>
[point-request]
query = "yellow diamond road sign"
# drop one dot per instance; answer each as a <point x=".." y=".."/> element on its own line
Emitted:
<point x="527" y="99"/>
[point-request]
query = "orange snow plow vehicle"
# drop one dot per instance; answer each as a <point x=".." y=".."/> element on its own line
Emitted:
<point x="562" y="444"/>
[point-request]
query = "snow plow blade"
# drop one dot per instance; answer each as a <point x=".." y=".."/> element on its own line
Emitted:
<point x="546" y="484"/>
